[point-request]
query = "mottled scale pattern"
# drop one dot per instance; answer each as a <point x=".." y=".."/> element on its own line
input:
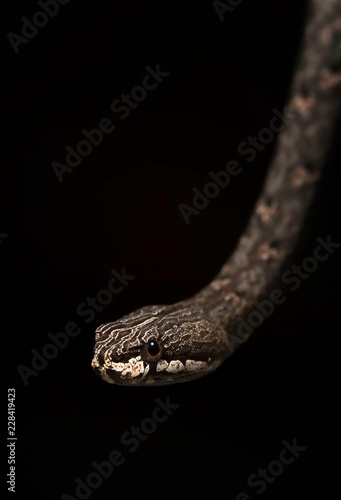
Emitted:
<point x="196" y="334"/>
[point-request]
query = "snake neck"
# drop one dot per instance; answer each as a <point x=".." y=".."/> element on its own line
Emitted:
<point x="268" y="244"/>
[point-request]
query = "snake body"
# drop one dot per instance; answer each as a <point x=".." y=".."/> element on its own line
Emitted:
<point x="166" y="344"/>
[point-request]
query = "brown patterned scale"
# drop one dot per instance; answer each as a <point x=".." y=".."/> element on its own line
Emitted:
<point x="180" y="342"/>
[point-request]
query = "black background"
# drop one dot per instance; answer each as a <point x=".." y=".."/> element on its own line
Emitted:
<point x="119" y="208"/>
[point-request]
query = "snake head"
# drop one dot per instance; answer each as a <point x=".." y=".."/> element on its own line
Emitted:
<point x="158" y="345"/>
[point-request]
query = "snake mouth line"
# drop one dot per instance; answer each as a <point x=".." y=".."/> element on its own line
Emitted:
<point x="137" y="372"/>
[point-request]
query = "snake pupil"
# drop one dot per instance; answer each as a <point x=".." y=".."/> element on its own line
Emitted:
<point x="153" y="348"/>
<point x="152" y="351"/>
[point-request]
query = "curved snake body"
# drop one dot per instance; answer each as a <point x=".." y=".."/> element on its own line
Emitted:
<point x="179" y="342"/>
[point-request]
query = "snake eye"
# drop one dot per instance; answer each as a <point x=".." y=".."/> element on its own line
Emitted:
<point x="151" y="351"/>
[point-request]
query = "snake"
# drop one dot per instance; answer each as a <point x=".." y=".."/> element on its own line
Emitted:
<point x="171" y="343"/>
